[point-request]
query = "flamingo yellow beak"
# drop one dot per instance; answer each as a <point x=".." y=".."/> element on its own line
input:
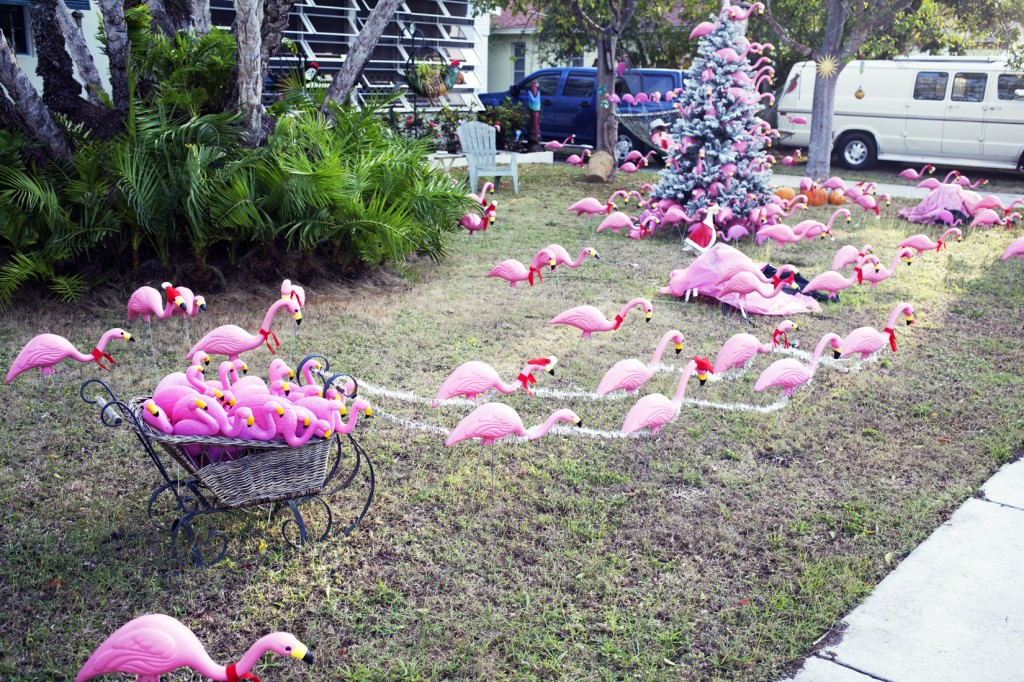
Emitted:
<point x="178" y="301"/>
<point x="836" y="352"/>
<point x="202" y="303"/>
<point x="679" y="348"/>
<point x="702" y="377"/>
<point x="286" y="387"/>
<point x="202" y="368"/>
<point x="291" y="374"/>
<point x="795" y="326"/>
<point x="249" y="421"/>
<point x="245" y="368"/>
<point x="305" y="421"/>
<point x="328" y="433"/>
<point x="551" y="262"/>
<point x="280" y="411"/>
<point x="298" y="317"/>
<point x="369" y="411"/>
<point x="206" y="360"/>
<point x="959" y="238"/>
<point x="153" y="409"/>
<point x="342" y="411"/>
<point x="909" y="319"/>
<point x="647" y="316"/>
<point x="302" y="653"/>
<point x="578" y="422"/>
<point x="201" y="404"/>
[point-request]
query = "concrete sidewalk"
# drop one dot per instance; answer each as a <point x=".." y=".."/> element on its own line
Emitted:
<point x="952" y="610"/>
<point x="897" y="189"/>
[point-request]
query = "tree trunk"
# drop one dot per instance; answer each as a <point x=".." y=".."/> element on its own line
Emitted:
<point x="201" y="20"/>
<point x="607" y="123"/>
<point x="116" y="31"/>
<point x="161" y="18"/>
<point x="8" y="116"/>
<point x="275" y="21"/>
<point x="76" y="45"/>
<point x="249" y="75"/>
<point x="360" y="51"/>
<point x="33" y="114"/>
<point x="819" y="151"/>
<point x="61" y="92"/>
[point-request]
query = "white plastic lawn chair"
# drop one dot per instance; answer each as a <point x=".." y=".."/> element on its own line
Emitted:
<point x="481" y="150"/>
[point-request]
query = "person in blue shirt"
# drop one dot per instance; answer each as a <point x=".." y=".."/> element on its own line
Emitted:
<point x="533" y="104"/>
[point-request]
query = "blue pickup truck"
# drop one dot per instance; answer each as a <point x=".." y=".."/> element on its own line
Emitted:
<point x="569" y="102"/>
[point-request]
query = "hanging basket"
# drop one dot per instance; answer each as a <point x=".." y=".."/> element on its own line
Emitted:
<point x="431" y="79"/>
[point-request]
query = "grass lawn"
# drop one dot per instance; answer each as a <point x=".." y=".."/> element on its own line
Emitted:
<point x="751" y="535"/>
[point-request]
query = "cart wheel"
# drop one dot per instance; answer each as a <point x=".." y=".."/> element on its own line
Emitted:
<point x="195" y="543"/>
<point x="312" y="520"/>
<point x="171" y="501"/>
<point x="314" y="357"/>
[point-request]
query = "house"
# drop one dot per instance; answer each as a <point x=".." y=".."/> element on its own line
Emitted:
<point x="513" y="50"/>
<point x="14" y="22"/>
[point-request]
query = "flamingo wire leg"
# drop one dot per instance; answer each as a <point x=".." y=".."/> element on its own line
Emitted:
<point x="39" y="403"/>
<point x="59" y="387"/>
<point x="184" y="326"/>
<point x="152" y="343"/>
<point x="492" y="469"/>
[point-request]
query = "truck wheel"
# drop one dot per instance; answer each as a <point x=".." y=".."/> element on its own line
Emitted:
<point x="857" y="151"/>
<point x="623" y="146"/>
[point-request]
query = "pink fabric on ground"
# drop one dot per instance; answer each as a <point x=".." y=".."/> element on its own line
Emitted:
<point x="947" y="198"/>
<point x="705" y="273"/>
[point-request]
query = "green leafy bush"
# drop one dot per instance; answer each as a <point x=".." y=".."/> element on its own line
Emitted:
<point x="509" y="118"/>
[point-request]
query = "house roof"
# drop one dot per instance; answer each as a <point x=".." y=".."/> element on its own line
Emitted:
<point x="507" y="21"/>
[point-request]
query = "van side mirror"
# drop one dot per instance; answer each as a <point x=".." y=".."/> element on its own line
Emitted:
<point x="514" y="90"/>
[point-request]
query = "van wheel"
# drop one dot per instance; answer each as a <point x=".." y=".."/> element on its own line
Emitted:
<point x="623" y="146"/>
<point x="858" y="152"/>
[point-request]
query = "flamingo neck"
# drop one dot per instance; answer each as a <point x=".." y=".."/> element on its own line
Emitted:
<point x="224" y="373"/>
<point x="690" y="368"/>
<point x="98" y="354"/>
<point x="579" y="261"/>
<point x="833" y="219"/>
<point x="819" y="349"/>
<point x="105" y="339"/>
<point x="900" y="308"/>
<point x="949" y="175"/>
<point x="660" y="350"/>
<point x="194" y="378"/>
<point x="269" y="318"/>
<point x="895" y="262"/>
<point x="252" y="656"/>
<point x="625" y="310"/>
<point x="945" y="234"/>
<point x="539" y="430"/>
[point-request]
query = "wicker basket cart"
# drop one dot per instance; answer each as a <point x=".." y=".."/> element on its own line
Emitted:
<point x="224" y="475"/>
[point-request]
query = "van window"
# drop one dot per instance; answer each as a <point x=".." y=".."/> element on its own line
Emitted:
<point x="1008" y="84"/>
<point x="931" y="85"/>
<point x="969" y="87"/>
<point x="579" y="86"/>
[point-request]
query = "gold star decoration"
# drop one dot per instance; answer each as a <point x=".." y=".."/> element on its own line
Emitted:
<point x="827" y="66"/>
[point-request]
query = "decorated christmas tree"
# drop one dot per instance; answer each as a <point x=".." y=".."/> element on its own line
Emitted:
<point x="720" y="153"/>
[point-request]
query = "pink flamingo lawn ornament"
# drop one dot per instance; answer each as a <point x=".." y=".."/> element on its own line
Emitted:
<point x="911" y="174"/>
<point x="745" y="283"/>
<point x="45" y="351"/>
<point x="631" y="374"/>
<point x="655" y="411"/>
<point x="147" y="303"/>
<point x="492" y="421"/>
<point x="876" y="275"/>
<point x="702" y="29"/>
<point x="932" y="183"/>
<point x="578" y="159"/>
<point x="987" y="218"/>
<point x="562" y="257"/>
<point x="589" y="319"/>
<point x="615" y="222"/>
<point x="194" y="304"/>
<point x="832" y="282"/>
<point x="554" y="145"/>
<point x="870" y="203"/>
<point x="513" y="272"/>
<point x="792" y="160"/>
<point x="1015" y="249"/>
<point x="155" y="644"/>
<point x="629" y="168"/>
<point x="790" y="373"/>
<point x="921" y="242"/>
<point x="472" y="378"/>
<point x="592" y="207"/>
<point x="485" y="189"/>
<point x="848" y="255"/>
<point x="231" y="340"/>
<point x="741" y="348"/>
<point x="866" y="341"/>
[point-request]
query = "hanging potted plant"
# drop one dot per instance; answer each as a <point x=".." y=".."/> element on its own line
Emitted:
<point x="431" y="77"/>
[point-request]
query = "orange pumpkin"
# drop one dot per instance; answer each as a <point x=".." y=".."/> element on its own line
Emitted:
<point x="837" y="198"/>
<point x="817" y="196"/>
<point x="786" y="193"/>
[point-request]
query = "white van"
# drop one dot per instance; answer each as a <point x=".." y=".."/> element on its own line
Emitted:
<point x="954" y="111"/>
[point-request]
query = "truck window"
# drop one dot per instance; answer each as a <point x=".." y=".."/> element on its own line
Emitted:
<point x="969" y="87"/>
<point x="579" y="86"/>
<point x="1008" y="84"/>
<point x="657" y="83"/>
<point x="547" y="83"/>
<point x="930" y="85"/>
